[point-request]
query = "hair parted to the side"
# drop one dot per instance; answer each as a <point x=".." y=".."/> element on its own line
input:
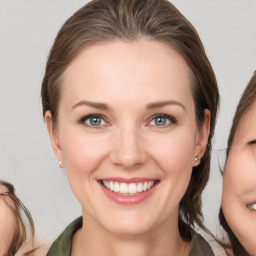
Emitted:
<point x="107" y="20"/>
<point x="20" y="212"/>
<point x="248" y="99"/>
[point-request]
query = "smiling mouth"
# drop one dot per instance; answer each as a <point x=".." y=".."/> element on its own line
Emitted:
<point x="252" y="206"/>
<point x="128" y="189"/>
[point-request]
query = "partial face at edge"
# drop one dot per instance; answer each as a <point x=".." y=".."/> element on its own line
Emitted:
<point x="7" y="220"/>
<point x="127" y="116"/>
<point x="239" y="183"/>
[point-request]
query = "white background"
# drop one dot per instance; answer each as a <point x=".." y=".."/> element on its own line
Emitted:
<point x="27" y="30"/>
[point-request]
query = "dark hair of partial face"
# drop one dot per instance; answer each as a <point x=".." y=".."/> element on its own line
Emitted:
<point x="246" y="102"/>
<point x="157" y="20"/>
<point x="22" y="233"/>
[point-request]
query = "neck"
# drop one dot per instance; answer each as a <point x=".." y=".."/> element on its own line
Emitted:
<point x="93" y="239"/>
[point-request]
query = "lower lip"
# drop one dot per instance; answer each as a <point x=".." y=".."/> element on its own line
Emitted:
<point x="126" y="199"/>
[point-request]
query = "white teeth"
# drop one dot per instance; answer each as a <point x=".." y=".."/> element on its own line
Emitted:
<point x="111" y="185"/>
<point x="128" y="189"/>
<point x="106" y="184"/>
<point x="150" y="184"/>
<point x="252" y="206"/>
<point x="116" y="187"/>
<point x="139" y="188"/>
<point x="132" y="188"/>
<point x="123" y="188"/>
<point x="145" y="186"/>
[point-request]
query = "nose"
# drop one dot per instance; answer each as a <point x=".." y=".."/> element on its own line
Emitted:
<point x="128" y="149"/>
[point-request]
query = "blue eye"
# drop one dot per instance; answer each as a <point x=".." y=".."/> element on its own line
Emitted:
<point x="93" y="121"/>
<point x="162" y="120"/>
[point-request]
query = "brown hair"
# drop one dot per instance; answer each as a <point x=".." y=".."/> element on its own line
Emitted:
<point x="246" y="102"/>
<point x="158" y="20"/>
<point x="19" y="211"/>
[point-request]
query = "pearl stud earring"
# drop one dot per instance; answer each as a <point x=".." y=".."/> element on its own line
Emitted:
<point x="60" y="164"/>
<point x="198" y="160"/>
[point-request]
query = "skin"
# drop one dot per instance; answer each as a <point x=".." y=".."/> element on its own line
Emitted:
<point x="8" y="224"/>
<point x="128" y="78"/>
<point x="239" y="183"/>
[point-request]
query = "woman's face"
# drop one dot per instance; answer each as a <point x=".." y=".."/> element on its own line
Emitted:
<point x="127" y="134"/>
<point x="239" y="185"/>
<point x="7" y="221"/>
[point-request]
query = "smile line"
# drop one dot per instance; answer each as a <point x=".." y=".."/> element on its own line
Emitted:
<point x="128" y="189"/>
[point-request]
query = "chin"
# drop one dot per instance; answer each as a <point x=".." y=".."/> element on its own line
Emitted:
<point x="129" y="226"/>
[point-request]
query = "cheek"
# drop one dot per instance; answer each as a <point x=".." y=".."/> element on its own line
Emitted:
<point x="174" y="152"/>
<point x="230" y="179"/>
<point x="82" y="156"/>
<point x="175" y="157"/>
<point x="239" y="182"/>
<point x="239" y="176"/>
<point x="234" y="185"/>
<point x="83" y="153"/>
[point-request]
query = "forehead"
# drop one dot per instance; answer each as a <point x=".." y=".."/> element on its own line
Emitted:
<point x="142" y="49"/>
<point x="247" y="125"/>
<point x="127" y="66"/>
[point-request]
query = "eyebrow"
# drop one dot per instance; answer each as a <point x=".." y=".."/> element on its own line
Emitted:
<point x="103" y="106"/>
<point x="96" y="105"/>
<point x="165" y="103"/>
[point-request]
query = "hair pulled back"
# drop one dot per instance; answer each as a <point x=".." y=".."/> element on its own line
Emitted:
<point x="158" y="20"/>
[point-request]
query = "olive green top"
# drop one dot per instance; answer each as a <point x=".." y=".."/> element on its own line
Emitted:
<point x="62" y="246"/>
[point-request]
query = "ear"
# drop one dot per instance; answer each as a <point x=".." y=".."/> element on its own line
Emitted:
<point x="203" y="135"/>
<point x="53" y="134"/>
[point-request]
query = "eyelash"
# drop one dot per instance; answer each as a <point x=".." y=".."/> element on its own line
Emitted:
<point x="171" y="119"/>
<point x="252" y="142"/>
<point x="85" y="118"/>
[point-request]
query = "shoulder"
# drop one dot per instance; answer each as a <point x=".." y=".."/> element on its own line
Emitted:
<point x="199" y="246"/>
<point x="62" y="245"/>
